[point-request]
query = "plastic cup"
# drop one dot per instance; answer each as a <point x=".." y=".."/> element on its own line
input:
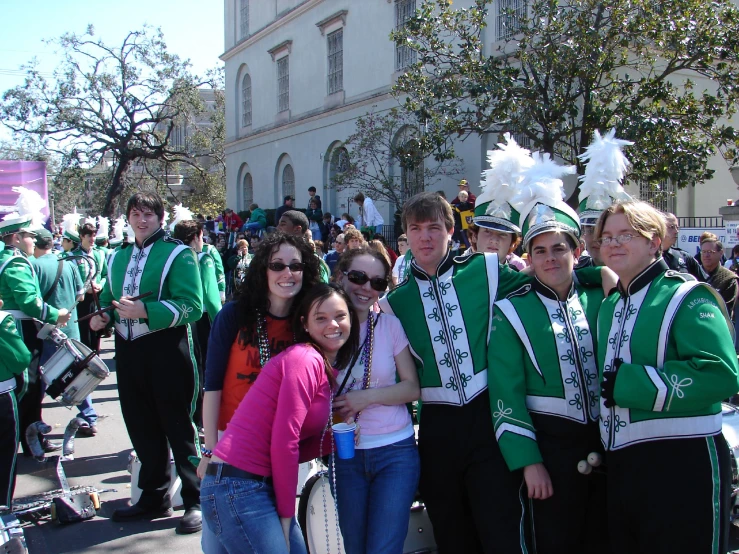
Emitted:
<point x="344" y="439"/>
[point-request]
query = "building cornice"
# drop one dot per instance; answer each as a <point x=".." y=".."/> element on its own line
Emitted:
<point x="284" y="45"/>
<point x="338" y="16"/>
<point x="281" y="20"/>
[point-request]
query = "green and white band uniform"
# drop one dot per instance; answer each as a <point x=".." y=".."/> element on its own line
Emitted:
<point x="218" y="264"/>
<point x="211" y="296"/>
<point x="19" y="288"/>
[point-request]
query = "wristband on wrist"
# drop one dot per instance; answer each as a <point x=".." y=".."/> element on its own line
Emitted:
<point x="206" y="453"/>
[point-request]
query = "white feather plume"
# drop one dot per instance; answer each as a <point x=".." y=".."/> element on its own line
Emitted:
<point x="103" y="226"/>
<point x="71" y="222"/>
<point x="130" y="236"/>
<point x="605" y="169"/>
<point x="499" y="182"/>
<point x="29" y="202"/>
<point x="543" y="180"/>
<point x="181" y="213"/>
<point x="165" y="218"/>
<point x="118" y="226"/>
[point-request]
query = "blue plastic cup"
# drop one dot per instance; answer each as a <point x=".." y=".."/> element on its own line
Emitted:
<point x="344" y="439"/>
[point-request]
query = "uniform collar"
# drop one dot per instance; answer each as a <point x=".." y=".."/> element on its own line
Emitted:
<point x="151" y="239"/>
<point x="649" y="274"/>
<point x="444" y="265"/>
<point x="549" y="292"/>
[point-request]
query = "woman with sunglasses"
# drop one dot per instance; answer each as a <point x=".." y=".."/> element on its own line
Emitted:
<point x="248" y="492"/>
<point x="256" y="326"/>
<point x="375" y="489"/>
<point x="666" y="363"/>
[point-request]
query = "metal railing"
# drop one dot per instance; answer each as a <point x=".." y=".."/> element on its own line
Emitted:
<point x="704" y="222"/>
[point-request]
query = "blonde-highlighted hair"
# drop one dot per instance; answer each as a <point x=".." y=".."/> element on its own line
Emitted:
<point x="644" y="218"/>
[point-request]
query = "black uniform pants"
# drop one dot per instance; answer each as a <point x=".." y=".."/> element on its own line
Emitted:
<point x="29" y="406"/>
<point x="201" y="333"/>
<point x="8" y="446"/>
<point x="571" y="520"/>
<point x="670" y="496"/>
<point x="88" y="337"/>
<point x="157" y="385"/>
<point x="474" y="502"/>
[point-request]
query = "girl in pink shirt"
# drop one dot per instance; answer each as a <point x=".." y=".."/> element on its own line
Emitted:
<point x="248" y="492"/>
<point x="375" y="489"/>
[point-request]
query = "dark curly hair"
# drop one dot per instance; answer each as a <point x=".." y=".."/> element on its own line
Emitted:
<point x="252" y="294"/>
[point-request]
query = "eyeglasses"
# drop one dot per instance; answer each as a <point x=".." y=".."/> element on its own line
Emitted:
<point x="618" y="239"/>
<point x="295" y="267"/>
<point x="360" y="278"/>
<point x="673" y="227"/>
<point x="711" y="252"/>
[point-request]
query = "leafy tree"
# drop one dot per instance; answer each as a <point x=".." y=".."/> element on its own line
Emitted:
<point x="386" y="160"/>
<point x="569" y="68"/>
<point x="122" y="100"/>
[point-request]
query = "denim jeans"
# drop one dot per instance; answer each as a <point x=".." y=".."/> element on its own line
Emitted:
<point x="252" y="226"/>
<point x="374" y="492"/>
<point x="86" y="411"/>
<point x="240" y="516"/>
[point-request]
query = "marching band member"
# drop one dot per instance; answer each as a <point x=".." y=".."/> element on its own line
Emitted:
<point x="666" y="361"/>
<point x="157" y="377"/>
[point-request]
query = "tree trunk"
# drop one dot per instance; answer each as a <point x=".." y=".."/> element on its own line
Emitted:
<point x="116" y="188"/>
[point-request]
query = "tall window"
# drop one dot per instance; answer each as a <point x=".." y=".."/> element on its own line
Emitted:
<point x="404" y="54"/>
<point x="244" y="19"/>
<point x="248" y="191"/>
<point x="523" y="140"/>
<point x="511" y="14"/>
<point x="246" y="101"/>
<point x="660" y="195"/>
<point x="336" y="61"/>
<point x="283" y="84"/>
<point x="288" y="181"/>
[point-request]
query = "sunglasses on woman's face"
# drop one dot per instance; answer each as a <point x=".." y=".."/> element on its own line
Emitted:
<point x="360" y="278"/>
<point x="295" y="267"/>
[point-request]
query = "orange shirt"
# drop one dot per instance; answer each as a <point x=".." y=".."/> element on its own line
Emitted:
<point x="243" y="366"/>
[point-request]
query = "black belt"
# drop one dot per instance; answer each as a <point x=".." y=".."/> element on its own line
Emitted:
<point x="227" y="470"/>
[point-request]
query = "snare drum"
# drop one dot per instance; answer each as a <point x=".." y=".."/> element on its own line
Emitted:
<point x="73" y="372"/>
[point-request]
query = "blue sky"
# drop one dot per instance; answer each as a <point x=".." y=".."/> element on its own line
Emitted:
<point x="192" y="28"/>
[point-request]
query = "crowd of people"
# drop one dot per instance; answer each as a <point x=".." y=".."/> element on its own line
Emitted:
<point x="570" y="365"/>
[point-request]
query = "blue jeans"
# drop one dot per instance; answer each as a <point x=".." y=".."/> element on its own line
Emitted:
<point x="240" y="516"/>
<point x="374" y="492"/>
<point x="86" y="411"/>
<point x="252" y="226"/>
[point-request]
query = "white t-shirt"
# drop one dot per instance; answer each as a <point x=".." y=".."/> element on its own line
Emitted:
<point x="381" y="425"/>
<point x="399" y="268"/>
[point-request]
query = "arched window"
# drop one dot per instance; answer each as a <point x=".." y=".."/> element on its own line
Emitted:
<point x="248" y="195"/>
<point x="411" y="162"/>
<point x="288" y="181"/>
<point x="246" y="101"/>
<point x="339" y="162"/>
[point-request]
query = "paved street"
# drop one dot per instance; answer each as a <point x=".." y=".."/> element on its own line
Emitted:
<point x="100" y="461"/>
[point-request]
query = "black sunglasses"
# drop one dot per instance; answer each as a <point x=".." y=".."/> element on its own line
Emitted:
<point x="360" y="278"/>
<point x="295" y="267"/>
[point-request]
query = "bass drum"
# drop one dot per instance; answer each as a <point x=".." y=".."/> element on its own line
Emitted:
<point x="316" y="521"/>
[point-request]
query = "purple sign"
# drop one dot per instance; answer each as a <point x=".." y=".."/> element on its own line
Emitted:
<point x="31" y="175"/>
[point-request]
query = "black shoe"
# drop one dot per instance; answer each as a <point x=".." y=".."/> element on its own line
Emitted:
<point x="191" y="522"/>
<point x="50" y="446"/>
<point x="135" y="512"/>
<point x="87" y="431"/>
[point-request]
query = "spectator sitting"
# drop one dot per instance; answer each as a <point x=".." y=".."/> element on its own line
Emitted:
<point x="257" y="220"/>
<point x="354" y="239"/>
<point x="369" y="218"/>
<point x="286" y="206"/>
<point x="231" y="220"/>
<point x="345" y="219"/>
<point x="315" y="219"/>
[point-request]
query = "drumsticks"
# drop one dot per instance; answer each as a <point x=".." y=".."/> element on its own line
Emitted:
<point x="109" y="308"/>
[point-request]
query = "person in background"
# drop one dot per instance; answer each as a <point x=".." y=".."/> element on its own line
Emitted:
<point x="293" y="222"/>
<point x="313" y="197"/>
<point x="257" y="220"/>
<point x="732" y="263"/>
<point x="463" y="186"/>
<point x="401" y="262"/>
<point x="254" y="244"/>
<point x="315" y="219"/>
<point x="248" y="487"/>
<point x="238" y="263"/>
<point x="392" y="256"/>
<point x="318" y="249"/>
<point x="666" y="362"/>
<point x="93" y="268"/>
<point x="370" y="219"/>
<point x="231" y="221"/>
<point x="463" y="213"/>
<point x="721" y="279"/>
<point x="287" y="205"/>
<point x="345" y="220"/>
<point x="327" y="224"/>
<point x="332" y="257"/>
<point x="676" y="258"/>
<point x="353" y="238"/>
<point x="375" y="489"/>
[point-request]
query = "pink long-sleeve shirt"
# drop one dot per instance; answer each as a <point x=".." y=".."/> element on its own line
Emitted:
<point x="280" y="422"/>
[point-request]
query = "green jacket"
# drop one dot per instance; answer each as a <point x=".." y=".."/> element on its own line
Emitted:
<point x="14" y="356"/>
<point x="258" y="216"/>
<point x="70" y="286"/>
<point x="100" y="263"/>
<point x="678" y="355"/>
<point x="211" y="297"/>
<point x="218" y="264"/>
<point x="19" y="288"/>
<point x="547" y="365"/>
<point x="163" y="266"/>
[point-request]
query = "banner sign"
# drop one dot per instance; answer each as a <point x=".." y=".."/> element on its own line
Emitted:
<point x="689" y="237"/>
<point x="31" y="175"/>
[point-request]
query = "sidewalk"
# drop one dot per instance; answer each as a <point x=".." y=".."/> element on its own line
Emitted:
<point x="100" y="461"/>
